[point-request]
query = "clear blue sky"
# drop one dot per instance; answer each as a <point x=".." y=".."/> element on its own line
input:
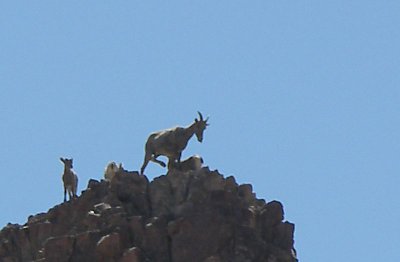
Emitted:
<point x="303" y="99"/>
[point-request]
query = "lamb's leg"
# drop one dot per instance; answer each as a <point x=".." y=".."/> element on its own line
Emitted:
<point x="75" y="188"/>
<point x="72" y="195"/>
<point x="65" y="194"/>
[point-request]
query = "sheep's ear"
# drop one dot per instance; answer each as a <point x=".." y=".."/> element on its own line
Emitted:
<point x="195" y="120"/>
<point x="62" y="159"/>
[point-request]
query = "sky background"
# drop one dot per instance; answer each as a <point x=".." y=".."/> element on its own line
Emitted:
<point x="303" y="99"/>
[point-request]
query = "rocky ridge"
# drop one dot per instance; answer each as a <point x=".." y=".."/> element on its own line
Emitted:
<point x="182" y="216"/>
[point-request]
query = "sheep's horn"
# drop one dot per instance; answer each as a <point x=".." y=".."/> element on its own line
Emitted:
<point x="201" y="116"/>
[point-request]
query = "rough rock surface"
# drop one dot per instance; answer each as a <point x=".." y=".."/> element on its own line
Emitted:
<point x="179" y="217"/>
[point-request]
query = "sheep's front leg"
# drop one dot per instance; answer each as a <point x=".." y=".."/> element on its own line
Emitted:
<point x="146" y="161"/>
<point x="171" y="163"/>
<point x="65" y="194"/>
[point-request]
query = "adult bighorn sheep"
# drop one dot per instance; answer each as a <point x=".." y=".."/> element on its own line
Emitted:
<point x="171" y="142"/>
<point x="69" y="178"/>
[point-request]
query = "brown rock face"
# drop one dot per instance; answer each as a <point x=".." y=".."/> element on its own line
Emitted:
<point x="179" y="217"/>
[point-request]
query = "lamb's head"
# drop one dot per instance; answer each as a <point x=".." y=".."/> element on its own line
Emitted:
<point x="112" y="166"/>
<point x="198" y="162"/>
<point x="67" y="162"/>
<point x="201" y="125"/>
<point x="111" y="170"/>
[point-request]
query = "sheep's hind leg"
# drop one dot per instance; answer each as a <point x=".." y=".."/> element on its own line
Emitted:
<point x="147" y="159"/>
<point x="161" y="163"/>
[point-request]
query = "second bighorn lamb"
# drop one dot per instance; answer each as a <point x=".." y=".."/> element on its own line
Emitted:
<point x="172" y="142"/>
<point x="111" y="170"/>
<point x="193" y="163"/>
<point x="70" y="179"/>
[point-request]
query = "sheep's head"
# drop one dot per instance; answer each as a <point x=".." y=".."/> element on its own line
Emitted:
<point x="67" y="162"/>
<point x="201" y="125"/>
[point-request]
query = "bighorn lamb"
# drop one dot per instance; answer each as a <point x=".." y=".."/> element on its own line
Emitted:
<point x="111" y="170"/>
<point x="69" y="178"/>
<point x="172" y="142"/>
<point x="193" y="163"/>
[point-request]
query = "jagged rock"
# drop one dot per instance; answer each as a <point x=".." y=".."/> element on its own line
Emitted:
<point x="272" y="214"/>
<point x="132" y="190"/>
<point x="213" y="259"/>
<point x="160" y="196"/>
<point x="59" y="249"/>
<point x="132" y="255"/>
<point x="39" y="233"/>
<point x="99" y="208"/>
<point x="85" y="246"/>
<point x="198" y="238"/>
<point x="182" y="216"/>
<point x="230" y="184"/>
<point x="136" y="229"/>
<point x="245" y="191"/>
<point x="41" y="217"/>
<point x="179" y="183"/>
<point x="156" y="240"/>
<point x="284" y="236"/>
<point x="249" y="217"/>
<point x="92" y="184"/>
<point x="9" y="259"/>
<point x="108" y="248"/>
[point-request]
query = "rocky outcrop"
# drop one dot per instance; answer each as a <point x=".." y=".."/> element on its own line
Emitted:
<point x="179" y="217"/>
